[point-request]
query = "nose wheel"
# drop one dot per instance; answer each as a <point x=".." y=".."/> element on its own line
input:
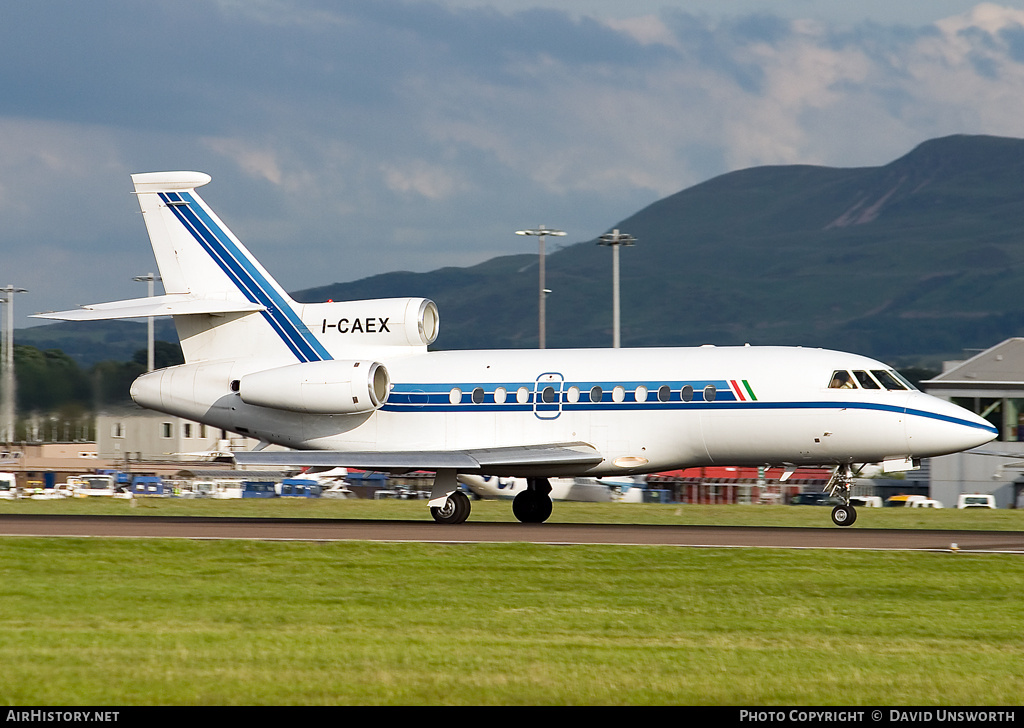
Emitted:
<point x="844" y="515"/>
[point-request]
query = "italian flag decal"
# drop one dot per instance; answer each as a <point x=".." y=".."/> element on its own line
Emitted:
<point x="743" y="393"/>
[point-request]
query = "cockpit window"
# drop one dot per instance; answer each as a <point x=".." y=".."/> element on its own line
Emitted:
<point x="841" y="380"/>
<point x="888" y="379"/>
<point x="907" y="382"/>
<point x="866" y="382"/>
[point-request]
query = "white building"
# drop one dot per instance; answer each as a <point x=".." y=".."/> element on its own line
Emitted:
<point x="990" y="384"/>
<point x="138" y="435"/>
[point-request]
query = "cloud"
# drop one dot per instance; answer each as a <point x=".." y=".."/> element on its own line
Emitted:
<point x="351" y="138"/>
<point x="418" y="177"/>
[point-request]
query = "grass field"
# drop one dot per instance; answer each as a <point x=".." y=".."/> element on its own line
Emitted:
<point x="114" y="622"/>
<point x="162" y="622"/>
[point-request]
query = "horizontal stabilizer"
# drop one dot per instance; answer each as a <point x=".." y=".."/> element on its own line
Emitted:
<point x="536" y="457"/>
<point x="171" y="304"/>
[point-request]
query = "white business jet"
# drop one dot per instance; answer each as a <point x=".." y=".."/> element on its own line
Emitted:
<point x="352" y="384"/>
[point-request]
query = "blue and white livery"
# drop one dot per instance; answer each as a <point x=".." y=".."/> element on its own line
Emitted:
<point x="352" y="384"/>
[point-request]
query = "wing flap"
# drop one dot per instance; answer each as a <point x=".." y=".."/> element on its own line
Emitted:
<point x="171" y="304"/>
<point x="527" y="458"/>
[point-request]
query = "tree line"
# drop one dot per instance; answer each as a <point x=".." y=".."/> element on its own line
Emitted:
<point x="57" y="399"/>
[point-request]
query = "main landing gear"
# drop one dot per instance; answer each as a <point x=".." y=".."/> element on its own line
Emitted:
<point x="842" y="481"/>
<point x="533" y="505"/>
<point x="455" y="509"/>
<point x="450" y="505"/>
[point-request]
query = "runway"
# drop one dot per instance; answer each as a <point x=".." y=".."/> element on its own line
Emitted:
<point x="311" y="529"/>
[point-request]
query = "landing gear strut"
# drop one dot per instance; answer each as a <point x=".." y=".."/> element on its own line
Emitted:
<point x="533" y="505"/>
<point x="842" y="481"/>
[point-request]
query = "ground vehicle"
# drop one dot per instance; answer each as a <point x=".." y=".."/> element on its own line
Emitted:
<point x="866" y="501"/>
<point x="903" y="501"/>
<point x="976" y="500"/>
<point x="8" y="486"/>
<point x="815" y="499"/>
<point x="98" y="484"/>
<point x="298" y="488"/>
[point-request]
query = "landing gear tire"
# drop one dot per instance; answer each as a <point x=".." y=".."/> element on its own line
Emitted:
<point x="844" y="515"/>
<point x="531" y="507"/>
<point x="455" y="510"/>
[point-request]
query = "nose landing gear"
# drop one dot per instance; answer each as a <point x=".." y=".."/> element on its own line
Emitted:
<point x="842" y="481"/>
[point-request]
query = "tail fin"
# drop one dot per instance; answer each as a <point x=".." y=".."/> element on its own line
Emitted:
<point x="226" y="306"/>
<point x="200" y="258"/>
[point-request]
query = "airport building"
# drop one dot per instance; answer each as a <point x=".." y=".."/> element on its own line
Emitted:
<point x="135" y="435"/>
<point x="991" y="384"/>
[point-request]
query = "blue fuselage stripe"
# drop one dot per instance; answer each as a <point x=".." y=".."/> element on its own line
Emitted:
<point x="240" y="270"/>
<point x="436" y="398"/>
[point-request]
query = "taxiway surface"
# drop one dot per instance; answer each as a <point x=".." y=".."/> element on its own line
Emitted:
<point x="548" y="533"/>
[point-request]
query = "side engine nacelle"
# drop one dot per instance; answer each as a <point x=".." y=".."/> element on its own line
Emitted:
<point x="319" y="387"/>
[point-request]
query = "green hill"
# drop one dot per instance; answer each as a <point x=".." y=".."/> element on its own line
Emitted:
<point x="917" y="259"/>
<point x="93" y="341"/>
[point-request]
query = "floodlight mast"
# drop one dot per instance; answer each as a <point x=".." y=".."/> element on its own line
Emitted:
<point x="149" y="278"/>
<point x="615" y="239"/>
<point x="8" y="395"/>
<point x="541" y="232"/>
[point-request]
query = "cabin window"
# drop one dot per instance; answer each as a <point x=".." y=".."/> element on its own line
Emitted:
<point x="478" y="395"/>
<point x="710" y="393"/>
<point x="499" y="395"/>
<point x="455" y="396"/>
<point x="619" y="393"/>
<point x="841" y="380"/>
<point x="686" y="393"/>
<point x="865" y="380"/>
<point x="547" y="395"/>
<point x="522" y="395"/>
<point x="572" y="395"/>
<point x="641" y="394"/>
<point x="596" y="394"/>
<point x="887" y="379"/>
<point x="664" y="393"/>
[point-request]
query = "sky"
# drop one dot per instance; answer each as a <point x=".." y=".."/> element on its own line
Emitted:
<point x="347" y="139"/>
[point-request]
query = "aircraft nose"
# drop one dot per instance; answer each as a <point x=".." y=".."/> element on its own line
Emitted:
<point x="937" y="427"/>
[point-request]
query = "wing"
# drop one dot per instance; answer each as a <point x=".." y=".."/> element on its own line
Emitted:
<point x="541" y="460"/>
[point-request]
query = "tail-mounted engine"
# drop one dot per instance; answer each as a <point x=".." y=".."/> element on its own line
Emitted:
<point x="319" y="387"/>
<point x="374" y="322"/>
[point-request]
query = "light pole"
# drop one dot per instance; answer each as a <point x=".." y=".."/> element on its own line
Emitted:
<point x="8" y="394"/>
<point x="149" y="278"/>
<point x="541" y="232"/>
<point x="616" y="239"/>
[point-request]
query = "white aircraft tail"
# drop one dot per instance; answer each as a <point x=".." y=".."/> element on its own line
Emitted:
<point x="226" y="306"/>
<point x="200" y="259"/>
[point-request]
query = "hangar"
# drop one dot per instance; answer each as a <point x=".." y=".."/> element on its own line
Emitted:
<point x="990" y="384"/>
